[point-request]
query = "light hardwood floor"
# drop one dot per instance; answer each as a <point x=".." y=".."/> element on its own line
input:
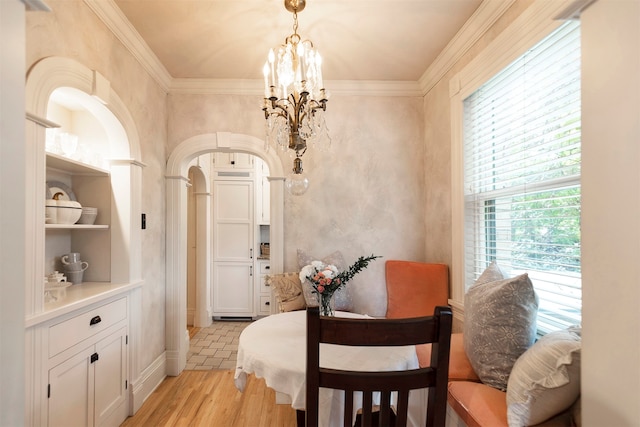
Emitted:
<point x="210" y="398"/>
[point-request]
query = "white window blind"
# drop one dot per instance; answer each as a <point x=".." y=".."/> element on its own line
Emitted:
<point x="522" y="175"/>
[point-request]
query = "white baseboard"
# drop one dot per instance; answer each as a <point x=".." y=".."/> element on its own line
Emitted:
<point x="149" y="380"/>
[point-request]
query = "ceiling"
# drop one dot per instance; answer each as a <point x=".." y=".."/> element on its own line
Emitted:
<point x="381" y="40"/>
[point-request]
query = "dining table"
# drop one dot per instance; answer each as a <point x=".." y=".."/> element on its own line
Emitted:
<point x="274" y="348"/>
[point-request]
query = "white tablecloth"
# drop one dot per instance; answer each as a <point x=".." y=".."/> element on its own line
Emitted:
<point x="274" y="348"/>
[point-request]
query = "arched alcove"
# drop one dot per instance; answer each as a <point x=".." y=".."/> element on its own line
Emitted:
<point x="55" y="78"/>
<point x="177" y="338"/>
<point x="51" y="80"/>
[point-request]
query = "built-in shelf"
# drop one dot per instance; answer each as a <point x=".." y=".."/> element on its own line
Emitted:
<point x="56" y="161"/>
<point x="75" y="227"/>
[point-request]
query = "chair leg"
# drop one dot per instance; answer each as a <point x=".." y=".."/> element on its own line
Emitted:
<point x="300" y="418"/>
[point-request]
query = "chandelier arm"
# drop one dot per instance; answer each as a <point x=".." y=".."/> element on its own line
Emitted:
<point x="284" y="115"/>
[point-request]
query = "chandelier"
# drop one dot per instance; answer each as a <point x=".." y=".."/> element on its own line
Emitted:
<point x="295" y="100"/>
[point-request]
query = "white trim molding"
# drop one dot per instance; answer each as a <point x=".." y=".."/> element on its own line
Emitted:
<point x="114" y="19"/>
<point x="147" y="382"/>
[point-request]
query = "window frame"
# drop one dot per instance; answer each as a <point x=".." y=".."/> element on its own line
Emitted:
<point x="533" y="25"/>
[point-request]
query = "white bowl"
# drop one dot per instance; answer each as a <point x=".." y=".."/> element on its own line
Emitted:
<point x="62" y="211"/>
<point x="87" y="218"/>
<point x="67" y="215"/>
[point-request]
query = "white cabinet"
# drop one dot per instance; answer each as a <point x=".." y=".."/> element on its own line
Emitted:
<point x="263" y="291"/>
<point x="87" y="375"/>
<point x="63" y="386"/>
<point x="233" y="252"/>
<point x="233" y="161"/>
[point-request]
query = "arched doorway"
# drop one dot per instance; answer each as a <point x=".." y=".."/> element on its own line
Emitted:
<point x="177" y="338"/>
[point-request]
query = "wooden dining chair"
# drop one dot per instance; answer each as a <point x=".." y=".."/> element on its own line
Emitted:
<point x="434" y="329"/>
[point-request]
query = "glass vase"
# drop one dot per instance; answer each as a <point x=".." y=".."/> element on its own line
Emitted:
<point x="325" y="304"/>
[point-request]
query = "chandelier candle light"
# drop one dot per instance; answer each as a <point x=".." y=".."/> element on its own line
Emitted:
<point x="295" y="99"/>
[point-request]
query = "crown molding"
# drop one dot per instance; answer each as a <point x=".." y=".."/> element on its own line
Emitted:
<point x="255" y="87"/>
<point x="482" y="19"/>
<point x="114" y="19"/>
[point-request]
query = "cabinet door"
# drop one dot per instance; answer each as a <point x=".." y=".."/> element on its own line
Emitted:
<point x="71" y="386"/>
<point x="233" y="221"/>
<point x="233" y="161"/>
<point x="232" y="289"/>
<point x="242" y="161"/>
<point x="110" y="380"/>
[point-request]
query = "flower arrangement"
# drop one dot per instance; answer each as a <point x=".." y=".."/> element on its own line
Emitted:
<point x="325" y="279"/>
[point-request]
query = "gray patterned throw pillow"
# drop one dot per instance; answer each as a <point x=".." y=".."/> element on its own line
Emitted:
<point x="500" y="324"/>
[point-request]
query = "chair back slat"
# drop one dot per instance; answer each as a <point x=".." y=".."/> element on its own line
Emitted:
<point x="434" y="329"/>
<point x="348" y="408"/>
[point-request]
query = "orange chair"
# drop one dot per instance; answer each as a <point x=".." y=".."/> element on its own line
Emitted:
<point x="415" y="288"/>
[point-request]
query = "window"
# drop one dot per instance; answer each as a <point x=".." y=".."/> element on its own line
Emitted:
<point x="521" y="148"/>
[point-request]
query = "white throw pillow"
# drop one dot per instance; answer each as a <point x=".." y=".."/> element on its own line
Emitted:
<point x="545" y="380"/>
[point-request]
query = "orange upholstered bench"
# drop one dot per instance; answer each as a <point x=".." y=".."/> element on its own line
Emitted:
<point x="415" y="289"/>
<point x="477" y="404"/>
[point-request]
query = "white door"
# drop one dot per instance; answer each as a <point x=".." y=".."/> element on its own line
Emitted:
<point x="110" y="379"/>
<point x="233" y="226"/>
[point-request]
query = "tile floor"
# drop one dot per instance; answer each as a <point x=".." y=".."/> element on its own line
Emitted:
<point x="216" y="346"/>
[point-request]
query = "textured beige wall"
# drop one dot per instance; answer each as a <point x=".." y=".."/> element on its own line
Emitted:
<point x="72" y="30"/>
<point x="366" y="194"/>
<point x="437" y="169"/>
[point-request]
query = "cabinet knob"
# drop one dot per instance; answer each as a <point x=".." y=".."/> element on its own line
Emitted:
<point x="95" y="321"/>
<point x="267" y="303"/>
<point x="94" y="357"/>
<point x="267" y="267"/>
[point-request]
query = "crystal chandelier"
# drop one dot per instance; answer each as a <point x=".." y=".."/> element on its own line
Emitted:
<point x="295" y="100"/>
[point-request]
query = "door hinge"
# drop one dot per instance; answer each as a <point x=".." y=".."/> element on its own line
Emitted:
<point x="94" y="357"/>
<point x="48" y="391"/>
<point x="126" y="340"/>
<point x="126" y="384"/>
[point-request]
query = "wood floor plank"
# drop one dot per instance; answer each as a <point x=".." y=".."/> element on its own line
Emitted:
<point x="210" y="398"/>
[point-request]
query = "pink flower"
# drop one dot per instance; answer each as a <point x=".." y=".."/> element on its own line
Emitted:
<point x="320" y="288"/>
